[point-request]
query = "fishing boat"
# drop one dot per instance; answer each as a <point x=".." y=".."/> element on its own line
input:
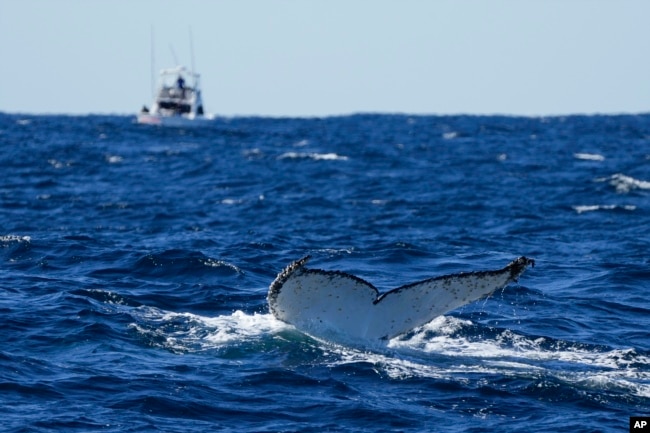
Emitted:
<point x="177" y="101"/>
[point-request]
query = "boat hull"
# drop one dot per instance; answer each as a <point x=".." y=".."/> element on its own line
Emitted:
<point x="175" y="121"/>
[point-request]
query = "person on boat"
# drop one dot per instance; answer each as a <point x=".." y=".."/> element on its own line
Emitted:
<point x="180" y="84"/>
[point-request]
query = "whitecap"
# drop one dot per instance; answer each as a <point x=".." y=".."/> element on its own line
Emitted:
<point x="450" y="135"/>
<point x="314" y="156"/>
<point x="328" y="157"/>
<point x="593" y="208"/>
<point x="241" y="326"/>
<point x="589" y="156"/>
<point x="457" y="356"/>
<point x="56" y="164"/>
<point x="183" y="332"/>
<point x="625" y="184"/>
<point x="253" y="153"/>
<point x="510" y="353"/>
<point x="114" y="159"/>
<point x="15" y="238"/>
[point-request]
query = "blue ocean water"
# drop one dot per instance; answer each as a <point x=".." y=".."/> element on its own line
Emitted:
<point x="135" y="261"/>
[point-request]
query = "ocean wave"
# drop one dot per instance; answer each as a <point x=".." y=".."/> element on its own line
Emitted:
<point x="624" y="184"/>
<point x="444" y="336"/>
<point x="231" y="201"/>
<point x="187" y="332"/>
<point x="182" y="264"/>
<point x="593" y="208"/>
<point x="510" y="353"/>
<point x="135" y="268"/>
<point x="589" y="156"/>
<point x="114" y="159"/>
<point x="15" y="238"/>
<point x="446" y="348"/>
<point x="313" y="156"/>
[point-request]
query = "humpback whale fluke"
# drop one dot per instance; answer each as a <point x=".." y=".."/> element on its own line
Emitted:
<point x="323" y="302"/>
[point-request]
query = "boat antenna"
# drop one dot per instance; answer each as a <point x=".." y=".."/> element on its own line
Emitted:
<point x="153" y="62"/>
<point x="192" y="49"/>
<point x="171" y="48"/>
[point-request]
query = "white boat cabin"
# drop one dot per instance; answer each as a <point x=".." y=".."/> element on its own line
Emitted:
<point x="178" y="94"/>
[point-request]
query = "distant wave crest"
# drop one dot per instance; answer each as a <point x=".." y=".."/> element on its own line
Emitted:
<point x="15" y="238"/>
<point x="313" y="156"/>
<point x="606" y="207"/>
<point x="589" y="156"/>
<point x="624" y="184"/>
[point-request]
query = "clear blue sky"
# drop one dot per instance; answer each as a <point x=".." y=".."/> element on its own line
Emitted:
<point x="329" y="57"/>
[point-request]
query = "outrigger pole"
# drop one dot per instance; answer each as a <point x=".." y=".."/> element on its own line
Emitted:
<point x="152" y="78"/>
<point x="192" y="50"/>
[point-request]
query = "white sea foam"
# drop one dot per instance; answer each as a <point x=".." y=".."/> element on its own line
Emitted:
<point x="435" y="350"/>
<point x="511" y="353"/>
<point x="314" y="156"/>
<point x="230" y="201"/>
<point x="625" y="184"/>
<point x="15" y="238"/>
<point x="593" y="208"/>
<point x="253" y="153"/>
<point x="56" y="164"/>
<point x="240" y="325"/>
<point x="589" y="156"/>
<point x="114" y="159"/>
<point x="194" y="332"/>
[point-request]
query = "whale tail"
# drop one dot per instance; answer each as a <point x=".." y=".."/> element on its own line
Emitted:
<point x="323" y="302"/>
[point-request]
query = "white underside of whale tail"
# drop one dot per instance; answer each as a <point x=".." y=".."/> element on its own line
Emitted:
<point x="328" y="303"/>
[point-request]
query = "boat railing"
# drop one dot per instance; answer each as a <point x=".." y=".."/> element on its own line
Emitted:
<point x="175" y="93"/>
<point x="174" y="108"/>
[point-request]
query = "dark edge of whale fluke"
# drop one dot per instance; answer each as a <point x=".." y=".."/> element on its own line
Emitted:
<point x="282" y="277"/>
<point x="518" y="266"/>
